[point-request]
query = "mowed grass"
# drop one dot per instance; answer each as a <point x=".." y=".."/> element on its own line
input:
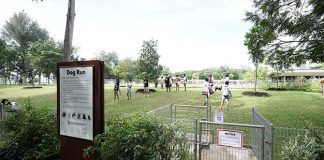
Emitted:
<point x="286" y="109"/>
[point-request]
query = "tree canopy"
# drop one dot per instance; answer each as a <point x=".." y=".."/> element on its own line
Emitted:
<point x="8" y="59"/>
<point x="110" y="59"/>
<point x="148" y="62"/>
<point x="45" y="56"/>
<point x="125" y="69"/>
<point x="287" y="32"/>
<point x="20" y="31"/>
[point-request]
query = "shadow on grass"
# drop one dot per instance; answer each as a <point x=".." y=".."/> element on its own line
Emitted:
<point x="256" y="94"/>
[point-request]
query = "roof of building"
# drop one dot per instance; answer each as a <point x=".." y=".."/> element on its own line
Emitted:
<point x="302" y="72"/>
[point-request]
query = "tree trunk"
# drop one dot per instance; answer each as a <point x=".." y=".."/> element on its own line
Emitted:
<point x="9" y="79"/>
<point x="67" y="49"/>
<point x="39" y="77"/>
<point x="256" y="77"/>
<point x="5" y="76"/>
<point x="277" y="79"/>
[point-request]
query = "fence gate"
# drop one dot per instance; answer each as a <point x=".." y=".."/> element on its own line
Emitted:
<point x="208" y="139"/>
<point x="258" y="119"/>
<point x="256" y="139"/>
<point x="230" y="141"/>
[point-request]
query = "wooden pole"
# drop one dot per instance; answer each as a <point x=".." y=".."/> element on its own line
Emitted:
<point x="67" y="49"/>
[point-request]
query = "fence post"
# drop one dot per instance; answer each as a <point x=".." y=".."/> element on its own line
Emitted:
<point x="206" y="113"/>
<point x="272" y="140"/>
<point x="1" y="111"/>
<point x="252" y="115"/>
<point x="171" y="111"/>
<point x="262" y="144"/>
<point x="175" y="111"/>
<point x="196" y="135"/>
<point x="210" y="115"/>
<point x="252" y="130"/>
<point x="200" y="149"/>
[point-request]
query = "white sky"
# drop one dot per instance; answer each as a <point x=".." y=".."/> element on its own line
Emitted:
<point x="191" y="34"/>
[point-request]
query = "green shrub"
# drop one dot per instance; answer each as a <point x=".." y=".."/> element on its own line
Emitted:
<point x="140" y="138"/>
<point x="318" y="134"/>
<point x="31" y="134"/>
<point x="300" y="148"/>
<point x="307" y="87"/>
<point x="315" y="87"/>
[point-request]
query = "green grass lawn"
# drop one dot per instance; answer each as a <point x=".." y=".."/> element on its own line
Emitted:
<point x="287" y="109"/>
<point x="283" y="108"/>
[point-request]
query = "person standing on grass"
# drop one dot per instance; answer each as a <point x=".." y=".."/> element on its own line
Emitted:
<point x="205" y="91"/>
<point x="146" y="87"/>
<point x="116" y="90"/>
<point x="177" y="82"/>
<point x="185" y="82"/>
<point x="168" y="83"/>
<point x="226" y="92"/>
<point x="117" y="82"/>
<point x="162" y="82"/>
<point x="129" y="89"/>
<point x="211" y="80"/>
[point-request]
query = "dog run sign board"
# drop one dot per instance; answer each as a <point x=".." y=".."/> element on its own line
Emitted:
<point x="230" y="138"/>
<point x="76" y="102"/>
<point x="80" y="106"/>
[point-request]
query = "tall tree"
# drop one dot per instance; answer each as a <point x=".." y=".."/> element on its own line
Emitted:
<point x="255" y="40"/>
<point x="110" y="59"/>
<point x="262" y="74"/>
<point x="8" y="60"/>
<point x="298" y="26"/>
<point x="125" y="69"/>
<point x="45" y="55"/>
<point x="148" y="61"/>
<point x="19" y="32"/>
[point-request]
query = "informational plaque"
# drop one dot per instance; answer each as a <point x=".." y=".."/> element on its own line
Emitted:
<point x="219" y="117"/>
<point x="230" y="138"/>
<point x="80" y="106"/>
<point x="76" y="102"/>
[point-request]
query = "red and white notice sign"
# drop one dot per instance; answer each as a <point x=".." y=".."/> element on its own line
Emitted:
<point x="230" y="138"/>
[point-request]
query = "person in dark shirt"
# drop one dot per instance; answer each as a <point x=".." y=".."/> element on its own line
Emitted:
<point x="116" y="90"/>
<point x="118" y="85"/>
<point x="146" y="87"/>
<point x="168" y="83"/>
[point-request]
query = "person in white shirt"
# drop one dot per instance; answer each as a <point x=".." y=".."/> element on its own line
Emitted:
<point x="129" y="89"/>
<point x="177" y="82"/>
<point x="226" y="92"/>
<point x="162" y="82"/>
<point x="206" y="91"/>
<point x="185" y="82"/>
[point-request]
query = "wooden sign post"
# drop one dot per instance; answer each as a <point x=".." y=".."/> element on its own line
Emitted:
<point x="80" y="106"/>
